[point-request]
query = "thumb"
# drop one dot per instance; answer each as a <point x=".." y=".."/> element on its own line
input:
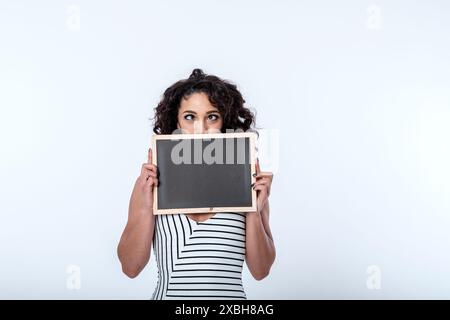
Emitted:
<point x="150" y="156"/>
<point x="258" y="169"/>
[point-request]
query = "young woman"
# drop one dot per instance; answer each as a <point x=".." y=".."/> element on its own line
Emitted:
<point x="198" y="255"/>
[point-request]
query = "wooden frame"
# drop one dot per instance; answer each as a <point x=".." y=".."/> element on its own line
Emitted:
<point x="252" y="154"/>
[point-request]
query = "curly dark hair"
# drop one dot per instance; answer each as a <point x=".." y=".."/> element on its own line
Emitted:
<point x="222" y="94"/>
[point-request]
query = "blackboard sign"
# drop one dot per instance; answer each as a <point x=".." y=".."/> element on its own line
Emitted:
<point x="200" y="173"/>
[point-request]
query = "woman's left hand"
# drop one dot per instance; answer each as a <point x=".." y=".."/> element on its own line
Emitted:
<point x="262" y="186"/>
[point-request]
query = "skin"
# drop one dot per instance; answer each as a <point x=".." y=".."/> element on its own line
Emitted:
<point x="195" y="115"/>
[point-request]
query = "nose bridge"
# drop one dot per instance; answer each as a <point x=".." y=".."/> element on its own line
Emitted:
<point x="200" y="126"/>
<point x="205" y="123"/>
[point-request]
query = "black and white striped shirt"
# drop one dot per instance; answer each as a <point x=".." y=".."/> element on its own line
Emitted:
<point x="199" y="260"/>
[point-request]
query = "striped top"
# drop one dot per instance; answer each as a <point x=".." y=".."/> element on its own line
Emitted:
<point x="199" y="260"/>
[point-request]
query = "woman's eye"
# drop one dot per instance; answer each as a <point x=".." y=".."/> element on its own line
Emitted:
<point x="213" y="117"/>
<point x="189" y="117"/>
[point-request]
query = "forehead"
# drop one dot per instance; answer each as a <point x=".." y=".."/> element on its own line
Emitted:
<point x="196" y="102"/>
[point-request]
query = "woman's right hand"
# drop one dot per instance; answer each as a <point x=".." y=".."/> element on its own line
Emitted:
<point x="142" y="196"/>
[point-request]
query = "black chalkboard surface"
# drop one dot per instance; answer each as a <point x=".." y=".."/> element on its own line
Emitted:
<point x="200" y="173"/>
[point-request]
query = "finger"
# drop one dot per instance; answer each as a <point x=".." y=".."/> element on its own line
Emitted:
<point x="258" y="169"/>
<point x="150" y="156"/>
<point x="152" y="181"/>
<point x="260" y="183"/>
<point x="264" y="174"/>
<point x="150" y="167"/>
<point x="263" y="179"/>
<point x="257" y="185"/>
<point x="149" y="181"/>
<point x="260" y="187"/>
<point x="149" y="173"/>
<point x="146" y="172"/>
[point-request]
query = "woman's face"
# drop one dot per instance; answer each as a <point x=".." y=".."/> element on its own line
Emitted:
<point x="197" y="115"/>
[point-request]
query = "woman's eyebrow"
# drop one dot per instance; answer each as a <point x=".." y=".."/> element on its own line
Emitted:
<point x="208" y="112"/>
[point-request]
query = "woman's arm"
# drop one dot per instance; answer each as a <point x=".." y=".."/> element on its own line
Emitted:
<point x="135" y="243"/>
<point x="260" y="248"/>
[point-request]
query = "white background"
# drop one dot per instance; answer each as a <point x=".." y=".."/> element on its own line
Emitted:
<point x="358" y="92"/>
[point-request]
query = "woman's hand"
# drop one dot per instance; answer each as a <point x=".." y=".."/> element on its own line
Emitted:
<point x="262" y="186"/>
<point x="142" y="196"/>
